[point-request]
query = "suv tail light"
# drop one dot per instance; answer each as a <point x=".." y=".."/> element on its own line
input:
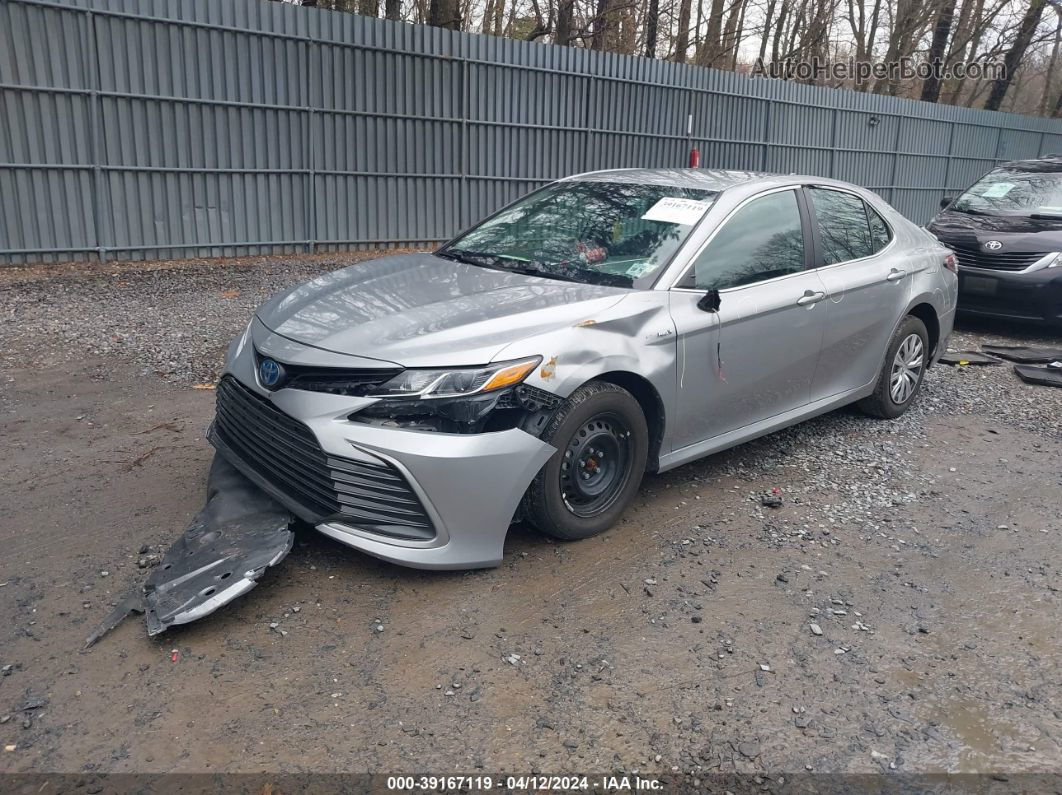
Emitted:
<point x="951" y="263"/>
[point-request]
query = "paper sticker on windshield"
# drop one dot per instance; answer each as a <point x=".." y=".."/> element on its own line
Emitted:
<point x="675" y="210"/>
<point x="998" y="190"/>
<point x="639" y="269"/>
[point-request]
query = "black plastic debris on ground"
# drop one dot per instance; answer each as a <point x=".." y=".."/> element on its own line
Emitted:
<point x="1051" y="375"/>
<point x="1024" y="354"/>
<point x="963" y="358"/>
<point x="239" y="533"/>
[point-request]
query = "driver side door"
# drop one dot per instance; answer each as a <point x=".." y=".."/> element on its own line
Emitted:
<point x="754" y="358"/>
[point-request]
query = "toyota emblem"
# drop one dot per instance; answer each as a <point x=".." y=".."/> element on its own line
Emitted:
<point x="993" y="245"/>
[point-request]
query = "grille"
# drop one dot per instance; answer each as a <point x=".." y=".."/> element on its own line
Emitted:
<point x="284" y="453"/>
<point x="334" y="380"/>
<point x="995" y="260"/>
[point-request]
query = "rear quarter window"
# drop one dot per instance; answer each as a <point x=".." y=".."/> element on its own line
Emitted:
<point x="880" y="234"/>
<point x="849" y="228"/>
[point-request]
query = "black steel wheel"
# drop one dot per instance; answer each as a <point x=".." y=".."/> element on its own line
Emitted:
<point x="602" y="444"/>
<point x="595" y="464"/>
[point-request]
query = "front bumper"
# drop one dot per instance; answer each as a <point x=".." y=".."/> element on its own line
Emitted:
<point x="469" y="485"/>
<point x="1035" y="296"/>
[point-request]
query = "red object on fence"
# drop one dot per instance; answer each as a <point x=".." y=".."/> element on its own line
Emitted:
<point x="695" y="158"/>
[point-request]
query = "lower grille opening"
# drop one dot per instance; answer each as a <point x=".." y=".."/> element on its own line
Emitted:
<point x="282" y="456"/>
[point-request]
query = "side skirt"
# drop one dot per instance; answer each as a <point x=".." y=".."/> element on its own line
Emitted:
<point x="749" y="432"/>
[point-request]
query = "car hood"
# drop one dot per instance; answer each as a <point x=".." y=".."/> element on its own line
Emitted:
<point x="1017" y="233"/>
<point x="420" y="310"/>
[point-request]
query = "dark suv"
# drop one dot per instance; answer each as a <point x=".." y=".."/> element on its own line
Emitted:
<point x="1006" y="231"/>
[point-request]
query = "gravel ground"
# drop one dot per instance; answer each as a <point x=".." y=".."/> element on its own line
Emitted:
<point x="174" y="319"/>
<point x="898" y="612"/>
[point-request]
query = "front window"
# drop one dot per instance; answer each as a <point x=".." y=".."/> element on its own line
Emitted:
<point x="763" y="240"/>
<point x="1008" y="191"/>
<point x="613" y="233"/>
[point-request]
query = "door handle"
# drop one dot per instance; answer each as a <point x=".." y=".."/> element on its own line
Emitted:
<point x="895" y="275"/>
<point x="810" y="297"/>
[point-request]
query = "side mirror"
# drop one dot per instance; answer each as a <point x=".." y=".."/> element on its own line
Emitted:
<point x="709" y="302"/>
<point x="946" y="201"/>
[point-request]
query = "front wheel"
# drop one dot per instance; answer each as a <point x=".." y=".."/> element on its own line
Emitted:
<point x="901" y="374"/>
<point x="602" y="444"/>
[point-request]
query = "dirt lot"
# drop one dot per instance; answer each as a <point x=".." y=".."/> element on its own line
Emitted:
<point x="926" y="552"/>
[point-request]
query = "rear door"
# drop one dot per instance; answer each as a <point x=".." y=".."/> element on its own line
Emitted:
<point x="754" y="358"/>
<point x="867" y="280"/>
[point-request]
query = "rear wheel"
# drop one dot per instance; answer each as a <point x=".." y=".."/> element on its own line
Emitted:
<point x="901" y="374"/>
<point x="602" y="443"/>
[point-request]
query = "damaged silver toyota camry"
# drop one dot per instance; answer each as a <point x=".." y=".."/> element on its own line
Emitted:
<point x="605" y="326"/>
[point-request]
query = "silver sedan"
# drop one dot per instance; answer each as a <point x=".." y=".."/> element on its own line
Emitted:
<point x="605" y="326"/>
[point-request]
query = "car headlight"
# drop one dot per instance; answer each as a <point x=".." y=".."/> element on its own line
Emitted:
<point x="1056" y="262"/>
<point x="458" y="381"/>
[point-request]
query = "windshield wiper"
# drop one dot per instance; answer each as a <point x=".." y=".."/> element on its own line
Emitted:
<point x="1047" y="216"/>
<point x="467" y="257"/>
<point x="490" y="260"/>
<point x="524" y="267"/>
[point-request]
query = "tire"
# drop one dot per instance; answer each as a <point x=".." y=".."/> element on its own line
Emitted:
<point x="601" y="425"/>
<point x="890" y="399"/>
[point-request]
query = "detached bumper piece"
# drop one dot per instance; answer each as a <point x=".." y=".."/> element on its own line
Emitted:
<point x="1049" y="375"/>
<point x="281" y="455"/>
<point x="1024" y="354"/>
<point x="238" y="534"/>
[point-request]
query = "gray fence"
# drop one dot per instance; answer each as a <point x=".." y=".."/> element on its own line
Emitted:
<point x="176" y="128"/>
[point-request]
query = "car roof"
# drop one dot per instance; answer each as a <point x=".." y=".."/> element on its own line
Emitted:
<point x="1047" y="163"/>
<point x="703" y="178"/>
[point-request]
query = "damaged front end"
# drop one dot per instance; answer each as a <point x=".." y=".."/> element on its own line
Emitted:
<point x="522" y="406"/>
<point x="238" y="534"/>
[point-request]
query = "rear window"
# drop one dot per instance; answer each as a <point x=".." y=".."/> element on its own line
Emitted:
<point x="880" y="235"/>
<point x="844" y="229"/>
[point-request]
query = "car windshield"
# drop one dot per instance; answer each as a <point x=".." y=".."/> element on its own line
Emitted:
<point x="1008" y="191"/>
<point x="613" y="233"/>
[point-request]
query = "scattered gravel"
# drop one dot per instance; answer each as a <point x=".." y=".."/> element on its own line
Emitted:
<point x="175" y="319"/>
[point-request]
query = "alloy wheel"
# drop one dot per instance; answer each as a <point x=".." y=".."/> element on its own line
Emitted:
<point x="907" y="367"/>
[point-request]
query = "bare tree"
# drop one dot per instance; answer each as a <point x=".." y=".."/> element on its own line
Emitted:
<point x="1014" y="56"/>
<point x="941" y="32"/>
<point x="652" y="15"/>
<point x="1052" y="64"/>
<point x="445" y="14"/>
<point x="565" y="20"/>
<point x="682" y="35"/>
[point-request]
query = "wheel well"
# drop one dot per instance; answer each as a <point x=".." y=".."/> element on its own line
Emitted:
<point x="652" y="407"/>
<point x="928" y="315"/>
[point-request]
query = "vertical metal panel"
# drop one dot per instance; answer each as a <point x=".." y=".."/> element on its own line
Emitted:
<point x="169" y="128"/>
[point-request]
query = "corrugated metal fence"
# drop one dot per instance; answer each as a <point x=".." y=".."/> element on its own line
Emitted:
<point x="174" y="128"/>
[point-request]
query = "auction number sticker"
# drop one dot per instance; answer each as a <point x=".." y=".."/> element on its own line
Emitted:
<point x="676" y="210"/>
<point x="997" y="190"/>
